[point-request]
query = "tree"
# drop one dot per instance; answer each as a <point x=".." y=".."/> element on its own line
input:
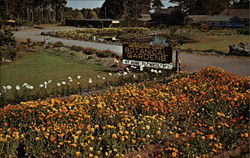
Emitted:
<point x="93" y="14"/>
<point x="241" y="4"/>
<point x="78" y="15"/>
<point x="157" y="4"/>
<point x="200" y="7"/>
<point x="40" y="11"/>
<point x="130" y="9"/>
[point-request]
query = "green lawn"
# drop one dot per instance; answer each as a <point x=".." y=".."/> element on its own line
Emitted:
<point x="219" y="43"/>
<point x="38" y="67"/>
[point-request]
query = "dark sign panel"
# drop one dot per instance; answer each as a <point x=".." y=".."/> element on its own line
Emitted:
<point x="155" y="56"/>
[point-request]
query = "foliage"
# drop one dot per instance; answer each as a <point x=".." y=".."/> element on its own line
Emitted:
<point x="7" y="38"/>
<point x="32" y="10"/>
<point x="58" y="44"/>
<point x="20" y="22"/>
<point x="7" y="53"/>
<point x="198" y="114"/>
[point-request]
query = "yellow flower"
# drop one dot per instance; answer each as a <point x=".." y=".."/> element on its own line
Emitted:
<point x="177" y="135"/>
<point x="147" y="127"/>
<point x="78" y="153"/>
<point x="73" y="145"/>
<point x="174" y="154"/>
<point x="203" y="137"/>
<point x="133" y="141"/>
<point x="158" y="132"/>
<point x="210" y="136"/>
<point x="37" y="138"/>
<point x="91" y="155"/>
<point x="91" y="149"/>
<point x="114" y="136"/>
<point x="138" y="156"/>
<point x="220" y="114"/>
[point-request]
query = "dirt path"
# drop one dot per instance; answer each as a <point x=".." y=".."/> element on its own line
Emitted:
<point x="189" y="62"/>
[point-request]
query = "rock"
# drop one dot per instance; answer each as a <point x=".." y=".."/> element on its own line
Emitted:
<point x="240" y="49"/>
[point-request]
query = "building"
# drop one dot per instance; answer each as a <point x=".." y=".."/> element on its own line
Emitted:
<point x="169" y="16"/>
<point x="225" y="22"/>
<point x="242" y="14"/>
<point x="197" y="20"/>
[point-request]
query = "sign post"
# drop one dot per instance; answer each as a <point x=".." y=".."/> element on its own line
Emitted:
<point x="145" y="55"/>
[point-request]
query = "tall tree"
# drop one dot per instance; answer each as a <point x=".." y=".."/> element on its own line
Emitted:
<point x="202" y="6"/>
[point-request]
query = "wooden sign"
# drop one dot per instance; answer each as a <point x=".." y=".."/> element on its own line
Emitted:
<point x="154" y="56"/>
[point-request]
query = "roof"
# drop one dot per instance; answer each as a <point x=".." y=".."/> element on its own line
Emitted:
<point x="145" y="17"/>
<point x="199" y="18"/>
<point x="241" y="13"/>
<point x="166" y="11"/>
<point x="220" y="18"/>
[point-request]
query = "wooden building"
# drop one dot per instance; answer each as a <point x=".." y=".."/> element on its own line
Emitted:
<point x="242" y="14"/>
<point x="225" y="22"/>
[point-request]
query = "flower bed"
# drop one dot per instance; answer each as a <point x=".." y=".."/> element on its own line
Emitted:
<point x="198" y="114"/>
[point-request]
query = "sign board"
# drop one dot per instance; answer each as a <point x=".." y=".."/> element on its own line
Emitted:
<point x="154" y="56"/>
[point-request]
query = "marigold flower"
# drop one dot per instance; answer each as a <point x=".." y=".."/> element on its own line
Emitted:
<point x="78" y="153"/>
<point x="174" y="154"/>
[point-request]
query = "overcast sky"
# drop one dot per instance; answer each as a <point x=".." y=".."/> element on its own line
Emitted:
<point x="96" y="3"/>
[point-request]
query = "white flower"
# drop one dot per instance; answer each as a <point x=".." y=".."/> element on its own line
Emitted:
<point x="127" y="69"/>
<point x="45" y="86"/>
<point x="159" y="72"/>
<point x="58" y="84"/>
<point x="141" y="68"/>
<point x="8" y="87"/>
<point x="49" y="81"/>
<point x="4" y="87"/>
<point x="134" y="76"/>
<point x="41" y="85"/>
<point x="69" y="78"/>
<point x="78" y="77"/>
<point x="125" y="73"/>
<point x="45" y="83"/>
<point x="110" y="74"/>
<point x="103" y="78"/>
<point x="25" y="84"/>
<point x="63" y="82"/>
<point x="118" y="74"/>
<point x="18" y="88"/>
<point x="90" y="80"/>
<point x="152" y="70"/>
<point x="78" y="82"/>
<point x="30" y="87"/>
<point x="98" y="76"/>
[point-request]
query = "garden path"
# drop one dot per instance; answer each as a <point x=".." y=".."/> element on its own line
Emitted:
<point x="190" y="62"/>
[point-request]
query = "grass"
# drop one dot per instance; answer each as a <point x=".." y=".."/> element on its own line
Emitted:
<point x="218" y="43"/>
<point x="42" y="66"/>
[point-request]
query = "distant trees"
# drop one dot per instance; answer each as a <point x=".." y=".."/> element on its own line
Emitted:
<point x="211" y="7"/>
<point x="39" y="11"/>
<point x="130" y="9"/>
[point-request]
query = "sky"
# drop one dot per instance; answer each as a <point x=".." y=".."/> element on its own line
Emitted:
<point x="98" y="3"/>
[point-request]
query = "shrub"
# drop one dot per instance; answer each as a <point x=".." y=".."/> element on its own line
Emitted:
<point x="58" y="44"/>
<point x="20" y="22"/>
<point x="76" y="48"/>
<point x="7" y="38"/>
<point x="7" y="53"/>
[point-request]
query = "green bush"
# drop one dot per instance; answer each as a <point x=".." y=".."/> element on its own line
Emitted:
<point x="58" y="44"/>
<point x="20" y="22"/>
<point x="76" y="48"/>
<point x="7" y="53"/>
<point x="7" y="38"/>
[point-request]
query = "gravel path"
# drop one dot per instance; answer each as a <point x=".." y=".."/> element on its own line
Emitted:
<point x="189" y="62"/>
